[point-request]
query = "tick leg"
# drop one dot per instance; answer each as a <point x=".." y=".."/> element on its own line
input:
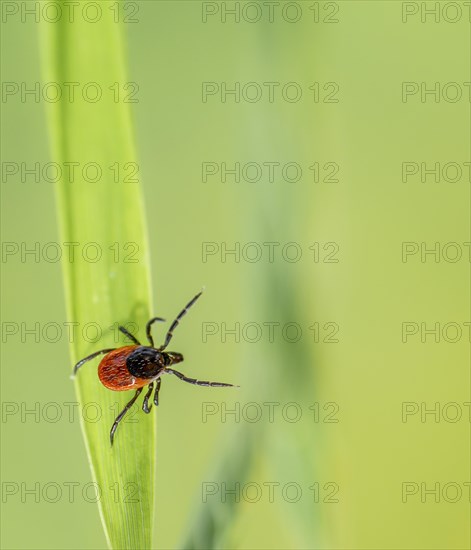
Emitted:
<point x="129" y="335"/>
<point x="198" y="382"/>
<point x="122" y="413"/>
<point x="157" y="389"/>
<point x="145" y="404"/>
<point x="148" y="327"/>
<point x="177" y="320"/>
<point x="92" y="356"/>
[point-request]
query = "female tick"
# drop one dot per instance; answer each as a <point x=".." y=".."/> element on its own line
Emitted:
<point x="136" y="366"/>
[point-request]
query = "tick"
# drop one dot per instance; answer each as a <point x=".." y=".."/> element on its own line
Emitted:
<point x="134" y="367"/>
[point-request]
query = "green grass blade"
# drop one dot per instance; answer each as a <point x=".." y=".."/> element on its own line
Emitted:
<point x="114" y="288"/>
<point x="212" y="522"/>
<point x="287" y="451"/>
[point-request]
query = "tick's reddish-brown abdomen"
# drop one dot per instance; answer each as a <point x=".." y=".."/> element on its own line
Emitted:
<point x="113" y="373"/>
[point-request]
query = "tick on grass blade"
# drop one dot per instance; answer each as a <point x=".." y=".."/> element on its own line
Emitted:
<point x="136" y="366"/>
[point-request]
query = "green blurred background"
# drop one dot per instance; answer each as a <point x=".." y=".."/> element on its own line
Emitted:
<point x="366" y="370"/>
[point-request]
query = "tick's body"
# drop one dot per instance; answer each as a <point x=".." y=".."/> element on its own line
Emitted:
<point x="136" y="366"/>
<point x="114" y="374"/>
